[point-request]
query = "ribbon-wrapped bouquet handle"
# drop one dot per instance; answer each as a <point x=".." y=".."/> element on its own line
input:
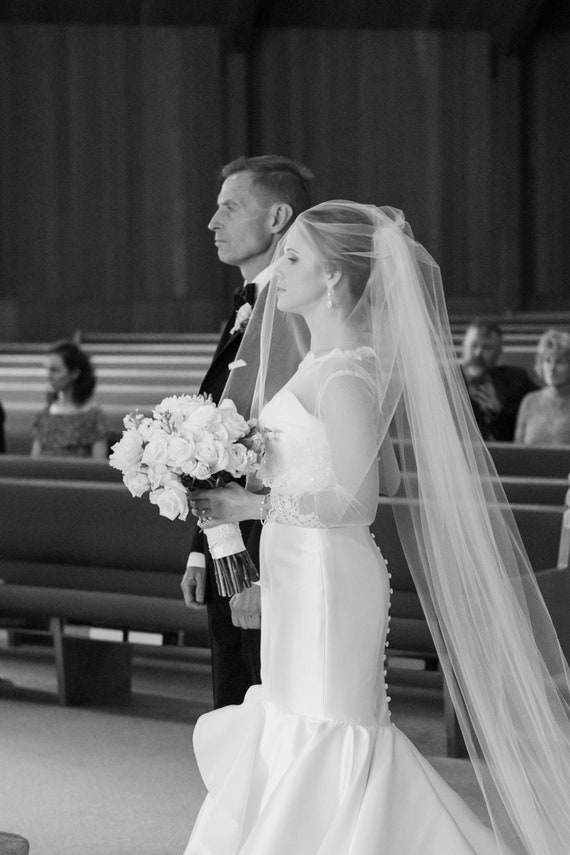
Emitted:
<point x="233" y="567"/>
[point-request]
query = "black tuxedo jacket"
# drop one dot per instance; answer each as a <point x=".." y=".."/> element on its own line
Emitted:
<point x="511" y="385"/>
<point x="213" y="384"/>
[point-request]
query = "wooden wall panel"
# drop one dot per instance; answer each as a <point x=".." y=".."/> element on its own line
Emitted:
<point x="111" y="141"/>
<point x="547" y="115"/>
<point x="111" y="138"/>
<point x="391" y="117"/>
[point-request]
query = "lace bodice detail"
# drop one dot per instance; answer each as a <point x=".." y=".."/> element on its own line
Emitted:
<point x="297" y="458"/>
<point x="298" y="463"/>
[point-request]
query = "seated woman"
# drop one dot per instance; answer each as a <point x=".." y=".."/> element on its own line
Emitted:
<point x="544" y="416"/>
<point x="72" y="424"/>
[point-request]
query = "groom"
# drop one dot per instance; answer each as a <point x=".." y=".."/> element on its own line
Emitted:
<point x="258" y="200"/>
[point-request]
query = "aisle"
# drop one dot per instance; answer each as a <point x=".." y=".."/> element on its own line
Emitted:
<point x="81" y="781"/>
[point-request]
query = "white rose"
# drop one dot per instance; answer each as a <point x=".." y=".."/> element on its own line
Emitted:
<point x="199" y="418"/>
<point x="234" y="423"/>
<point x="199" y="470"/>
<point x="172" y="501"/>
<point x="157" y="449"/>
<point x="179" y="405"/>
<point x="127" y="452"/>
<point x="219" y="432"/>
<point x="223" y="457"/>
<point x="238" y="460"/>
<point x="175" y="405"/>
<point x="175" y="409"/>
<point x="159" y="475"/>
<point x="180" y="451"/>
<point x="148" y="428"/>
<point x="137" y="483"/>
<point x="191" y="403"/>
<point x="206" y="451"/>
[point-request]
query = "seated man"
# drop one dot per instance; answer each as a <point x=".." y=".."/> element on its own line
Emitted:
<point x="495" y="390"/>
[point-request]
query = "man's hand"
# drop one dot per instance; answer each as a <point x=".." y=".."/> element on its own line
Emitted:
<point x="246" y="608"/>
<point x="193" y="586"/>
<point x="224" y="505"/>
<point x="486" y="397"/>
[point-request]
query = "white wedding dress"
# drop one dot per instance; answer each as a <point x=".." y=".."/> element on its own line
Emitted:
<point x="310" y="763"/>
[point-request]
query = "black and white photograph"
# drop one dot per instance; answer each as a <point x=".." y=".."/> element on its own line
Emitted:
<point x="284" y="427"/>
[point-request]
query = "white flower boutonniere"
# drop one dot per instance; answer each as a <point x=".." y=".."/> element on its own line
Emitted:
<point x="242" y="317"/>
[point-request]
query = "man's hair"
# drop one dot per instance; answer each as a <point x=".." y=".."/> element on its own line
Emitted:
<point x="485" y="327"/>
<point x="279" y="178"/>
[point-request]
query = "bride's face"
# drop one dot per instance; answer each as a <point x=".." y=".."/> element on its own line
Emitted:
<point x="301" y="279"/>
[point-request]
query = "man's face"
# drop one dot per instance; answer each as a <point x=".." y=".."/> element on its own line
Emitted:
<point x="481" y="351"/>
<point x="242" y="222"/>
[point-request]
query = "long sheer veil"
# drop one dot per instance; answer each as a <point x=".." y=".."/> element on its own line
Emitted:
<point x="495" y="640"/>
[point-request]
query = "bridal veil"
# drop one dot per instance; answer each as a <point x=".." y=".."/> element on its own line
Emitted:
<point x="495" y="640"/>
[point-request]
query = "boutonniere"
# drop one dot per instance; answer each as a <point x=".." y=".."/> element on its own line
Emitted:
<point x="243" y="315"/>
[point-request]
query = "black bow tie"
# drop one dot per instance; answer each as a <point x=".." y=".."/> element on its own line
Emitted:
<point x="244" y="294"/>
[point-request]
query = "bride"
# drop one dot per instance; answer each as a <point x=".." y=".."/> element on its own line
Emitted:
<point x="358" y="391"/>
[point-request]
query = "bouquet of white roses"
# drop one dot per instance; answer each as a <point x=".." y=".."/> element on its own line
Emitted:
<point x="191" y="443"/>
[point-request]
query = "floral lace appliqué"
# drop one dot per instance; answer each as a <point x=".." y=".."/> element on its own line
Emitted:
<point x="358" y="353"/>
<point x="305" y="472"/>
<point x="286" y="511"/>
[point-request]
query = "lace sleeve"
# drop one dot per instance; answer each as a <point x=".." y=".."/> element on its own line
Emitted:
<point x="344" y="406"/>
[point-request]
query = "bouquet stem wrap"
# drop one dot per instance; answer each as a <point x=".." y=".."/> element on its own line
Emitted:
<point x="233" y="568"/>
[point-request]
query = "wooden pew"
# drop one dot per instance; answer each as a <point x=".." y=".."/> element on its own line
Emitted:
<point x="540" y="527"/>
<point x="58" y="468"/>
<point x="518" y="489"/>
<point x="521" y="490"/>
<point x="541" y="461"/>
<point x="133" y="371"/>
<point x="85" y="552"/>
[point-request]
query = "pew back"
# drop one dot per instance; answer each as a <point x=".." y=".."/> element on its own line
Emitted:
<point x="539" y="526"/>
<point x="542" y="461"/>
<point x="88" y="523"/>
<point x="87" y="551"/>
<point x="57" y="468"/>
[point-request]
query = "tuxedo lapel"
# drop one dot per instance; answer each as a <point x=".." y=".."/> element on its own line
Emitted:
<point x="228" y="345"/>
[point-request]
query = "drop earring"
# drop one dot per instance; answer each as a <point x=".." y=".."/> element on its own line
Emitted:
<point x="330" y="303"/>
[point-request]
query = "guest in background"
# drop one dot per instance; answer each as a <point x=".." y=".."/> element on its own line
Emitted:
<point x="259" y="198"/>
<point x="2" y="434"/>
<point x="495" y="390"/>
<point x="544" y="415"/>
<point x="72" y="424"/>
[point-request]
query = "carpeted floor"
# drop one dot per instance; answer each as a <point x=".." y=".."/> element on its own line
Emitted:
<point x="123" y="781"/>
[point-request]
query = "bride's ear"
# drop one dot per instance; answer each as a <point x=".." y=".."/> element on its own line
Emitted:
<point x="333" y="276"/>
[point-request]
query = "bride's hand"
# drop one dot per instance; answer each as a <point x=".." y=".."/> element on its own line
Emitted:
<point x="231" y="503"/>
